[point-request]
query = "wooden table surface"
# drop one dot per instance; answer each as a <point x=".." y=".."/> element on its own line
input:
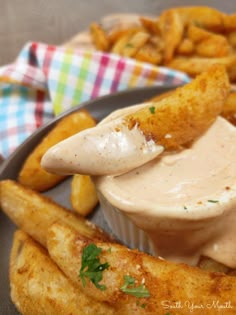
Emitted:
<point x="56" y="21"/>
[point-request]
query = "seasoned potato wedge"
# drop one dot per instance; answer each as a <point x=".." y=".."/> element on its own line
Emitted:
<point x="187" y="112"/>
<point x="151" y="25"/>
<point x="172" y="29"/>
<point x="206" y="17"/>
<point x="134" y="43"/>
<point x="34" y="213"/>
<point x="99" y="37"/>
<point x="165" y="281"/>
<point x="149" y="53"/>
<point x="32" y="174"/>
<point x="83" y="194"/>
<point x="123" y="40"/>
<point x="38" y="286"/>
<point x="195" y="65"/>
<point x="229" y="109"/>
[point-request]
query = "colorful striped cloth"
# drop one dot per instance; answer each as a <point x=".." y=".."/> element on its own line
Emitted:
<point x="47" y="80"/>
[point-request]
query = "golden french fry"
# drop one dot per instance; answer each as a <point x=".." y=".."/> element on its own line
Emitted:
<point x="232" y="73"/>
<point x="182" y="119"/>
<point x="83" y="194"/>
<point x="205" y="17"/>
<point x="172" y="29"/>
<point x="229" y="21"/>
<point x="116" y="34"/>
<point x="215" y="46"/>
<point x="149" y="53"/>
<point x="232" y="38"/>
<point x="34" y="213"/>
<point x="195" y="65"/>
<point x="151" y="25"/>
<point x="32" y="174"/>
<point x="197" y="34"/>
<point x="160" y="278"/>
<point x="123" y="40"/>
<point x="186" y="47"/>
<point x="135" y="42"/>
<point x="38" y="286"/>
<point x="229" y="109"/>
<point x="99" y="37"/>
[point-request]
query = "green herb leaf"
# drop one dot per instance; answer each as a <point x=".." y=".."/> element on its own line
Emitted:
<point x="130" y="288"/>
<point x="91" y="266"/>
<point x="143" y="305"/>
<point x="152" y="109"/>
<point x="129" y="45"/>
<point x="213" y="201"/>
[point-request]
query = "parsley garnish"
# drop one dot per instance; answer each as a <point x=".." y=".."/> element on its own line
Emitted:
<point x="130" y="288"/>
<point x="91" y="266"/>
<point x="129" y="45"/>
<point x="143" y="305"/>
<point x="213" y="201"/>
<point x="152" y="109"/>
<point x="185" y="208"/>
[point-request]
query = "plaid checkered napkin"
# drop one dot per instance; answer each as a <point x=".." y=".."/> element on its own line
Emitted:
<point x="47" y="80"/>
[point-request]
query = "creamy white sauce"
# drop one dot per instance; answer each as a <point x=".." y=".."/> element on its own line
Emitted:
<point x="185" y="201"/>
<point x="109" y="148"/>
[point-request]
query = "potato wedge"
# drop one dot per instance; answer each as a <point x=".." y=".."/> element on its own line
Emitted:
<point x="232" y="38"/>
<point x="99" y="37"/>
<point x="186" y="113"/>
<point x="165" y="281"/>
<point x="172" y="29"/>
<point x="38" y="286"/>
<point x="83" y="194"/>
<point x="206" y="17"/>
<point x="149" y="53"/>
<point x="197" y="34"/>
<point x="151" y="25"/>
<point x="229" y="21"/>
<point x="116" y="34"/>
<point x="123" y="40"/>
<point x="34" y="213"/>
<point x="134" y="43"/>
<point x="215" y="46"/>
<point x="186" y="47"/>
<point x="32" y="174"/>
<point x="229" y="109"/>
<point x="195" y="65"/>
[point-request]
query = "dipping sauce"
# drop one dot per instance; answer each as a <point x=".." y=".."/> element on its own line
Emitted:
<point x="185" y="201"/>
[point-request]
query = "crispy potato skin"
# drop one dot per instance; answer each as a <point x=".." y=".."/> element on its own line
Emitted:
<point x="167" y="282"/>
<point x="38" y="286"/>
<point x="229" y="109"/>
<point x="32" y="174"/>
<point x="34" y="213"/>
<point x="186" y="113"/>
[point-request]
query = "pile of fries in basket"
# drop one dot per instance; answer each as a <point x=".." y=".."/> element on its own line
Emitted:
<point x="188" y="39"/>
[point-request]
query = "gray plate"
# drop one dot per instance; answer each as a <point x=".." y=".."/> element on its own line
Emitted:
<point x="98" y="108"/>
